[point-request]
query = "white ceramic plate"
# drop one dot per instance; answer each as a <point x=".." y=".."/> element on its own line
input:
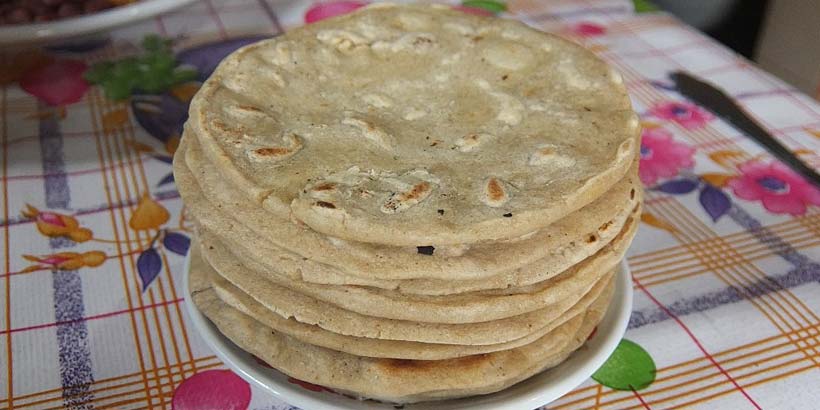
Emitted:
<point x="527" y="395"/>
<point x="37" y="33"/>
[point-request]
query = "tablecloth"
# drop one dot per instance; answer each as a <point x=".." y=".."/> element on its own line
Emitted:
<point x="725" y="265"/>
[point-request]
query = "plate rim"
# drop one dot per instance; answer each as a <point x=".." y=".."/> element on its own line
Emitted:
<point x="34" y="33"/>
<point x="534" y="392"/>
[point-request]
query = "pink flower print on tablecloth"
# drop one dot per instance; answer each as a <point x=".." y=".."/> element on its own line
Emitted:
<point x="58" y="83"/>
<point x="777" y="187"/>
<point x="324" y="10"/>
<point x="687" y="115"/>
<point x="212" y="389"/>
<point x="586" y="29"/>
<point x="54" y="224"/>
<point x="661" y="156"/>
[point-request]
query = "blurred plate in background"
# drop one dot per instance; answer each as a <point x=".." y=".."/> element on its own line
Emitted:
<point x="68" y="29"/>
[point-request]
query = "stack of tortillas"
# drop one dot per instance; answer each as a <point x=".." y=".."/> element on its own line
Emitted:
<point x="409" y="202"/>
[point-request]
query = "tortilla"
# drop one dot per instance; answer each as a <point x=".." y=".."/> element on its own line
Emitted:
<point x="366" y="126"/>
<point x="398" y="380"/>
<point x="364" y="346"/>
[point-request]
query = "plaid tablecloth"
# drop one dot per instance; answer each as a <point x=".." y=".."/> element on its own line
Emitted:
<point x="91" y="312"/>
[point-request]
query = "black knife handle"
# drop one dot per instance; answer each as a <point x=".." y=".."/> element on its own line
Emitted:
<point x="717" y="101"/>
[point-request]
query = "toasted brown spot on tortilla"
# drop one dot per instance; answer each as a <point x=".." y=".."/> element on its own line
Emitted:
<point x="494" y="190"/>
<point x="417" y="192"/>
<point x="271" y="151"/>
<point x="405" y="365"/>
<point x="327" y="186"/>
<point x="324" y="204"/>
<point x="220" y="125"/>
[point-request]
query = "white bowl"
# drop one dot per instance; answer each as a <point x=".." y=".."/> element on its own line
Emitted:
<point x="65" y="29"/>
<point x="527" y="395"/>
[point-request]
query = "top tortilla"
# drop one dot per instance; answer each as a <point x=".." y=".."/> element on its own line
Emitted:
<point x="409" y="125"/>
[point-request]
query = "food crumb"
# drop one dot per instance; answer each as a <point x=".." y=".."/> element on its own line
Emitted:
<point x="426" y="250"/>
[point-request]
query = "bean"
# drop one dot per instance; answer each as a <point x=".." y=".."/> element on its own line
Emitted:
<point x="18" y="15"/>
<point x="68" y="10"/>
<point x="96" y="5"/>
<point x="41" y="18"/>
<point x="27" y="11"/>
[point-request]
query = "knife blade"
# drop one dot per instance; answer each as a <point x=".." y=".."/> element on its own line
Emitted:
<point x="722" y="105"/>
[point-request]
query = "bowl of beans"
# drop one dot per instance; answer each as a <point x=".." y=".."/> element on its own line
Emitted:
<point x="31" y="22"/>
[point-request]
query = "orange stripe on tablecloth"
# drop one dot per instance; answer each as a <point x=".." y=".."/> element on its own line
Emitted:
<point x="794" y="303"/>
<point x="702" y="378"/>
<point x="687" y="237"/>
<point x="664" y="378"/>
<point x="753" y="275"/>
<point x="100" y="137"/>
<point x="92" y="401"/>
<point x="7" y="250"/>
<point x="788" y="297"/>
<point x="734" y="271"/>
<point x="708" y="132"/>
<point x="748" y="246"/>
<point x="778" y="297"/>
<point x="165" y="398"/>
<point x="126" y="134"/>
<point x="747" y="365"/>
<point x="654" y="391"/>
<point x="805" y="241"/>
<point x="745" y="244"/>
<point x="752" y="384"/>
<point x="181" y="324"/>
<point x="672" y="277"/>
<point x="598" y="392"/>
<point x="104" y="141"/>
<point x="700" y="346"/>
<point x="659" y="255"/>
<point x="147" y="334"/>
<point x="134" y="179"/>
<point x="129" y="133"/>
<point x="660" y="258"/>
<point x="143" y="238"/>
<point x="746" y="376"/>
<point x="102" y="385"/>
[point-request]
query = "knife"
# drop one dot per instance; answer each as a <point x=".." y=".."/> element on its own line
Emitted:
<point x="718" y="102"/>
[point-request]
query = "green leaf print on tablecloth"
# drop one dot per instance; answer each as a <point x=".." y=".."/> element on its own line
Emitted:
<point x="629" y="368"/>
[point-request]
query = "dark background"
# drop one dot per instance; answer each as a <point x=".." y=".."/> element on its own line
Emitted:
<point x="739" y="28"/>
